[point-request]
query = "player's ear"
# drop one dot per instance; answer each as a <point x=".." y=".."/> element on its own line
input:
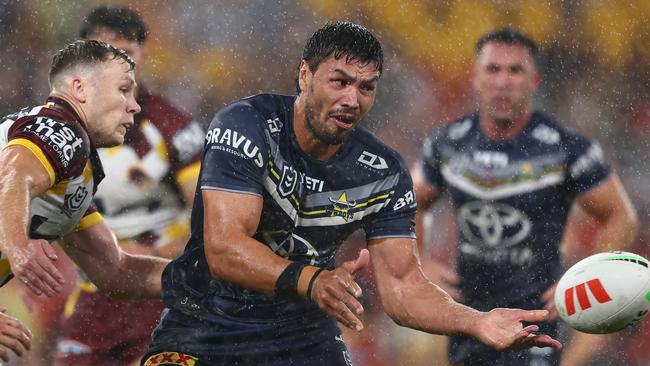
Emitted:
<point x="78" y="88"/>
<point x="304" y="74"/>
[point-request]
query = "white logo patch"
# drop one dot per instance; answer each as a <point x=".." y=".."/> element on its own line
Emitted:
<point x="372" y="160"/>
<point x="546" y="135"/>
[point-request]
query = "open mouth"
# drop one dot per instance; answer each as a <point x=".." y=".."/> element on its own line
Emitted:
<point x="343" y="121"/>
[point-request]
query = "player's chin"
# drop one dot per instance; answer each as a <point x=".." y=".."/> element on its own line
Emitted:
<point x="116" y="139"/>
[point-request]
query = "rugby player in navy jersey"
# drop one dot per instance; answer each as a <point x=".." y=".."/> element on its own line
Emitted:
<point x="513" y="174"/>
<point x="284" y="180"/>
<point x="50" y="173"/>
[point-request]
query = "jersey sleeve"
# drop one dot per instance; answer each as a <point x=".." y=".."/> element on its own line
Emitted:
<point x="430" y="162"/>
<point x="235" y="153"/>
<point x="586" y="165"/>
<point x="62" y="148"/>
<point x="90" y="218"/>
<point x="397" y="218"/>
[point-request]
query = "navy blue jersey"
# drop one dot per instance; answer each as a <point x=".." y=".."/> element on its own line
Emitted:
<point x="309" y="206"/>
<point x="512" y="198"/>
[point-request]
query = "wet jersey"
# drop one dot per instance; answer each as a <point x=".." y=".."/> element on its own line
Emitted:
<point x="140" y="199"/>
<point x="512" y="198"/>
<point x="55" y="134"/>
<point x="309" y="207"/>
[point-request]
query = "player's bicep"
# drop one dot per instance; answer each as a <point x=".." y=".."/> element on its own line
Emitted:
<point x="20" y="162"/>
<point x="227" y="216"/>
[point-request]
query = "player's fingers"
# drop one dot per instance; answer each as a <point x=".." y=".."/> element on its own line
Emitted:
<point x="344" y="315"/>
<point x="16" y="337"/>
<point x="348" y="283"/>
<point x="351" y="302"/>
<point x="531" y="316"/>
<point x="4" y="354"/>
<point x="12" y="344"/>
<point x="49" y="250"/>
<point x="358" y="264"/>
<point x="542" y="340"/>
<point x="50" y="273"/>
<point x="28" y="279"/>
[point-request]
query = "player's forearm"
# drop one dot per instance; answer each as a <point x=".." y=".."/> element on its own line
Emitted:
<point x="14" y="195"/>
<point x="140" y="277"/>
<point x="419" y="304"/>
<point x="618" y="231"/>
<point x="244" y="261"/>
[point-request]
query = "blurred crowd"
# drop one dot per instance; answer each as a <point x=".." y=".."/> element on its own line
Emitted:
<point x="202" y="54"/>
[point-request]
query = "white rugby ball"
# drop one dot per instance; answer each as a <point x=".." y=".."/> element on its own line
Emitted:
<point x="604" y="293"/>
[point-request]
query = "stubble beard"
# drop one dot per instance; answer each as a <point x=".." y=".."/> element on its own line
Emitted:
<point x="320" y="134"/>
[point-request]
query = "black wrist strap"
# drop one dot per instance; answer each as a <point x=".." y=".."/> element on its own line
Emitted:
<point x="311" y="282"/>
<point x="287" y="283"/>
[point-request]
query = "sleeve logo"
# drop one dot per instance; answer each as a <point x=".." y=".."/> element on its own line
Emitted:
<point x="372" y="160"/>
<point x="234" y="143"/>
<point x="60" y="137"/>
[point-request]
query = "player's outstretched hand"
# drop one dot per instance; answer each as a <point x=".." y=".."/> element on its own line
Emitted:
<point x="33" y="265"/>
<point x="336" y="292"/>
<point x="503" y="330"/>
<point x="13" y="336"/>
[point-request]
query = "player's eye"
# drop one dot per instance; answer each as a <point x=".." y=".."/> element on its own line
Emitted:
<point x="368" y="88"/>
<point x="340" y="82"/>
<point x="492" y="68"/>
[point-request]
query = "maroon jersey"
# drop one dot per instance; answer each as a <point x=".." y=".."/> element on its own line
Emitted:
<point x="140" y="202"/>
<point x="55" y="134"/>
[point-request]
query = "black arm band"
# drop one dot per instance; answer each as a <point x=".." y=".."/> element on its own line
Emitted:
<point x="311" y="282"/>
<point x="287" y="283"/>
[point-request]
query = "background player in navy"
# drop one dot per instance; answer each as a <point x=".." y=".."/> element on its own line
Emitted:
<point x="144" y="199"/>
<point x="51" y="171"/>
<point x="284" y="181"/>
<point x="513" y="174"/>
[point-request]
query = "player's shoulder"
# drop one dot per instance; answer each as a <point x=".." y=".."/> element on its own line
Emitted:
<point x="548" y="130"/>
<point x="455" y="132"/>
<point x="57" y="131"/>
<point x="262" y="114"/>
<point x="372" y="152"/>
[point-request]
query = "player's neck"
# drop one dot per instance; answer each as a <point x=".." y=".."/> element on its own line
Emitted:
<point x="306" y="139"/>
<point x="71" y="101"/>
<point x="504" y="129"/>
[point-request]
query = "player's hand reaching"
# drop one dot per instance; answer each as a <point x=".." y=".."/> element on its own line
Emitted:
<point x="503" y="330"/>
<point x="13" y="336"/>
<point x="336" y="292"/>
<point x="33" y="265"/>
<point x="548" y="298"/>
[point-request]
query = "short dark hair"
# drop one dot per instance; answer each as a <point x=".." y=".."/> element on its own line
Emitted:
<point x="87" y="52"/>
<point x="508" y="36"/>
<point x="122" y="20"/>
<point x="343" y="39"/>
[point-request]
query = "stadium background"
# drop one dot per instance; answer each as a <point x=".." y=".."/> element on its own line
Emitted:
<point x="203" y="54"/>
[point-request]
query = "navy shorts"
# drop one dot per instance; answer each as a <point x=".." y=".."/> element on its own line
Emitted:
<point x="182" y="340"/>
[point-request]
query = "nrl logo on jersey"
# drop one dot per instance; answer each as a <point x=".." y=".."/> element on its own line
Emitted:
<point x="75" y="200"/>
<point x="287" y="183"/>
<point x="341" y="207"/>
<point x="372" y="160"/>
